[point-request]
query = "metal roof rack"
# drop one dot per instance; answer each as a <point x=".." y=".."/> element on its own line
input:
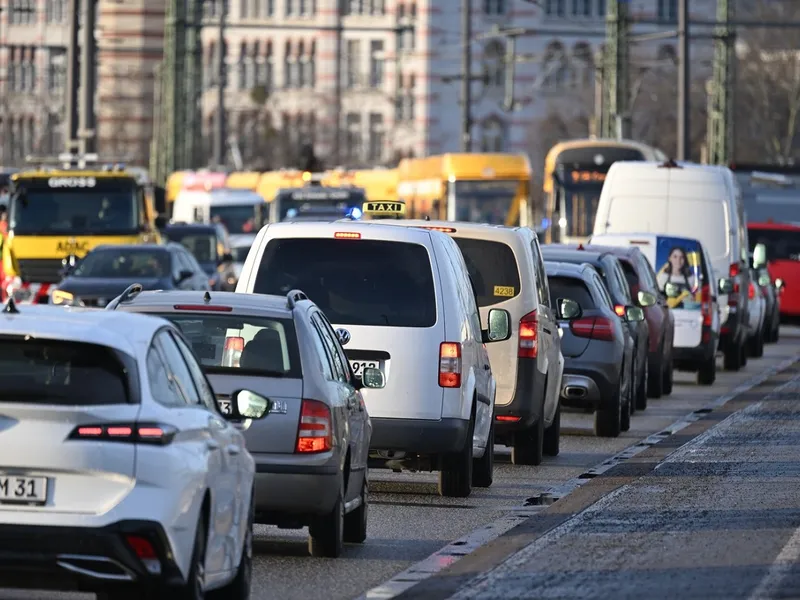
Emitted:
<point x="129" y="294"/>
<point x="293" y="297"/>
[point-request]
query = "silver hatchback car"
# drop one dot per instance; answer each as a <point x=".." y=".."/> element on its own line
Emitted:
<point x="311" y="451"/>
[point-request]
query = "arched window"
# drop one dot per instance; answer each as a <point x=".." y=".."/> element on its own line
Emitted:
<point x="583" y="63"/>
<point x="301" y="64"/>
<point x="494" y="64"/>
<point x="288" y="60"/>
<point x="556" y="64"/>
<point x="493" y="135"/>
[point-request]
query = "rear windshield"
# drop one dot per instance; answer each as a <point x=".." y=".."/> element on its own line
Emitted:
<point x="226" y="343"/>
<point x="493" y="269"/>
<point x="781" y="244"/>
<point x="36" y="371"/>
<point x="354" y="282"/>
<point x="573" y="289"/>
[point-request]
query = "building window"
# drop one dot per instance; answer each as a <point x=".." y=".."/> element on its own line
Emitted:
<point x="265" y="69"/>
<point x="306" y="8"/>
<point x="556" y="65"/>
<point x="288" y="66"/>
<point x="494" y="7"/>
<point x="23" y="12"/>
<point x="493" y="136"/>
<point x="601" y="8"/>
<point x="301" y="65"/>
<point x="494" y="64"/>
<point x="289" y="8"/>
<point x="212" y="9"/>
<point x="667" y="10"/>
<point x="56" y="71"/>
<point x="376" y="63"/>
<point x="242" y="66"/>
<point x="405" y="99"/>
<point x="555" y="8"/>
<point x="411" y="41"/>
<point x="355" y="7"/>
<point x="312" y="65"/>
<point x="401" y="16"/>
<point x="376" y="138"/>
<point x="269" y="7"/>
<point x="581" y="8"/>
<point x="377" y="7"/>
<point x="244" y="6"/>
<point x="353" y="63"/>
<point x="54" y="11"/>
<point x="583" y="64"/>
<point x="353" y="137"/>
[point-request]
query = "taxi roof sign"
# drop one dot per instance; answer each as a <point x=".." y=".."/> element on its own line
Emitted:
<point x="385" y="210"/>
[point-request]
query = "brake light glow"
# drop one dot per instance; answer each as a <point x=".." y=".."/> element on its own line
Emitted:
<point x="314" y="432"/>
<point x="620" y="310"/>
<point x="205" y="307"/>
<point x="528" y="336"/>
<point x="347" y="235"/>
<point x="507" y="419"/>
<point x="734" y="270"/>
<point x="450" y="364"/>
<point x="132" y="433"/>
<point x="751" y="291"/>
<point x="595" y="328"/>
<point x="442" y="229"/>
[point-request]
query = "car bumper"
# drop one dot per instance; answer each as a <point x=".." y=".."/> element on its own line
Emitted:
<point x="589" y="386"/>
<point x="296" y="490"/>
<point x="84" y="558"/>
<point x="418" y="436"/>
<point x="524" y="408"/>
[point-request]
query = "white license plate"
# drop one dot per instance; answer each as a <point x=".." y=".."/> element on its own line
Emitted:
<point x="358" y="366"/>
<point x="24" y="490"/>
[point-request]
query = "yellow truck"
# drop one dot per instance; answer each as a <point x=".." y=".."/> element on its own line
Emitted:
<point x="64" y="207"/>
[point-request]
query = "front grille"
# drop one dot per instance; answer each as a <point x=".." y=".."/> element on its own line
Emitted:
<point x="40" y="270"/>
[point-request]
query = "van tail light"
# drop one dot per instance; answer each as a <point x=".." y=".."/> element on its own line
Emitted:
<point x="315" y="431"/>
<point x="620" y="310"/>
<point x="751" y="291"/>
<point x="529" y="336"/>
<point x="450" y="365"/>
<point x="153" y="434"/>
<point x="145" y="552"/>
<point x="705" y="311"/>
<point x="595" y="328"/>
<point x="232" y="352"/>
<point x="734" y="270"/>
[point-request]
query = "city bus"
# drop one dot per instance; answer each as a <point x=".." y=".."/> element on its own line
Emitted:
<point x="243" y="180"/>
<point x="380" y="184"/>
<point x="474" y="187"/>
<point x="574" y="172"/>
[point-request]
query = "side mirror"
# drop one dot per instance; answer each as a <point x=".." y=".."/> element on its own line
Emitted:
<point x="764" y="280"/>
<point x="779" y="284"/>
<point x="671" y="290"/>
<point x="373" y="378"/>
<point x="646" y="299"/>
<point x="161" y="222"/>
<point x="61" y="298"/>
<point x="226" y="258"/>
<point x="759" y="256"/>
<point x="634" y="314"/>
<point x="499" y="326"/>
<point x="245" y="404"/>
<point x="184" y="275"/>
<point x="568" y="310"/>
<point x="725" y="286"/>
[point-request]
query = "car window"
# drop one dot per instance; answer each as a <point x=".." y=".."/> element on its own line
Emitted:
<point x="177" y="267"/>
<point x="162" y="386"/>
<point x="542" y="285"/>
<point x="178" y="370"/>
<point x="337" y="346"/>
<point x="493" y="268"/>
<point x="615" y="280"/>
<point x="340" y="371"/>
<point x="603" y="291"/>
<point x="630" y="274"/>
<point x="571" y="288"/>
<point x="647" y="274"/>
<point x="353" y="281"/>
<point x="322" y="352"/>
<point x="198" y="377"/>
<point x="465" y="285"/>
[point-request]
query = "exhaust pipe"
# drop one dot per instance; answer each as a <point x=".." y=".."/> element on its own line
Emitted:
<point x="575" y="392"/>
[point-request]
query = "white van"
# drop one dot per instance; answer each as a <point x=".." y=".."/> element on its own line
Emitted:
<point x="507" y="271"/>
<point x="693" y="201"/>
<point x="241" y="211"/>
<point x="401" y="301"/>
<point x="691" y="294"/>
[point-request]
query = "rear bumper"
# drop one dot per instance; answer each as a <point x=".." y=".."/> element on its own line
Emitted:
<point x="417" y="436"/>
<point x="598" y="382"/>
<point x="84" y="559"/>
<point x="525" y="403"/>
<point x="298" y="490"/>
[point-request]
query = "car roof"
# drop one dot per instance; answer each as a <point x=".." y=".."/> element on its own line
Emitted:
<point x="618" y="251"/>
<point x="118" y="330"/>
<point x="557" y="250"/>
<point x="562" y="269"/>
<point x="371" y="230"/>
<point x="264" y="304"/>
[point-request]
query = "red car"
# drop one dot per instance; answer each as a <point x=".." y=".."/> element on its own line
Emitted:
<point x="660" y="321"/>
<point x="783" y="261"/>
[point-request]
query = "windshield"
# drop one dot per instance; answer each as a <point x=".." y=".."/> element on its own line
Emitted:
<point x="202" y="245"/>
<point x="240" y="253"/>
<point x="493" y="270"/>
<point x="354" y="282"/>
<point x="124" y="263"/>
<point x="484" y="201"/>
<point x="782" y="206"/>
<point x="36" y="371"/>
<point x="113" y="210"/>
<point x="782" y="244"/>
<point x="236" y="218"/>
<point x="240" y="343"/>
<point x="579" y="209"/>
<point x="310" y="204"/>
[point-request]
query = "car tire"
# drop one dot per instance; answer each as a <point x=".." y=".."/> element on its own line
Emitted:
<point x="669" y="377"/>
<point x="733" y="358"/>
<point x="455" y="476"/>
<point x="483" y="467"/>
<point x="355" y="522"/>
<point x="552" y="435"/>
<point x="326" y="533"/>
<point x="194" y="588"/>
<point x="641" y="390"/>
<point x="757" y="345"/>
<point x="707" y="373"/>
<point x="626" y="413"/>
<point x="239" y="587"/>
<point x="607" y="420"/>
<point x="528" y="445"/>
<point x="655" y="383"/>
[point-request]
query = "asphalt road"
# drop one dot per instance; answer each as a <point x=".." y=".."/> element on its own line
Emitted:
<point x="409" y="522"/>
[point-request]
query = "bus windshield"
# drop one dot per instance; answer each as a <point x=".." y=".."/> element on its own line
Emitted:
<point x="485" y="201"/>
<point x="310" y="204"/>
<point x="237" y="218"/>
<point x="105" y="209"/>
<point x="580" y="207"/>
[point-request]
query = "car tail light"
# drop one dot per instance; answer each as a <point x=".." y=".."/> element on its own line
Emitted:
<point x="132" y="433"/>
<point x="734" y="270"/>
<point x="145" y="552"/>
<point x="347" y="235"/>
<point x="203" y="307"/>
<point x="595" y="328"/>
<point x="528" y="336"/>
<point x="619" y="309"/>
<point x="450" y="365"/>
<point x="232" y="352"/>
<point x="751" y="291"/>
<point x="705" y="305"/>
<point x="315" y="431"/>
<point x="507" y="419"/>
<point x="442" y="229"/>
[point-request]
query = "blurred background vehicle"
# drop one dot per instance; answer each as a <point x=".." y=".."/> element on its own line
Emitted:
<point x="209" y="244"/>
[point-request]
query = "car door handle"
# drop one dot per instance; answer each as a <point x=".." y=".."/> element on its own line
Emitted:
<point x="212" y="444"/>
<point x="234" y="450"/>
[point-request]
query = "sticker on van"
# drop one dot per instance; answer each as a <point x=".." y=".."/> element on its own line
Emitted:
<point x="504" y="291"/>
<point x="679" y="263"/>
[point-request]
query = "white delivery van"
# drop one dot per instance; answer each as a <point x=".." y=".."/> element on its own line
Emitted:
<point x="686" y="278"/>
<point x="241" y="211"/>
<point x="701" y="202"/>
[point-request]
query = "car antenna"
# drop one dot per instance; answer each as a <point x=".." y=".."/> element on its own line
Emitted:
<point x="427" y="217"/>
<point x="207" y="297"/>
<point x="11" y="307"/>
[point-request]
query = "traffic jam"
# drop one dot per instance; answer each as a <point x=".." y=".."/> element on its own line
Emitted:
<point x="203" y="394"/>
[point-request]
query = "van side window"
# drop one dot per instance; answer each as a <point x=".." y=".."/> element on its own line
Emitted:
<point x="542" y="285"/>
<point x="466" y="286"/>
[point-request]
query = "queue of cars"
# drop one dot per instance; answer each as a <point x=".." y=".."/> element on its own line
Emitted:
<point x="346" y="346"/>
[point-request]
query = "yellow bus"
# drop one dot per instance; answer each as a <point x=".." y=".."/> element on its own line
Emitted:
<point x="380" y="185"/>
<point x="574" y="172"/>
<point x="474" y="187"/>
<point x="243" y="180"/>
